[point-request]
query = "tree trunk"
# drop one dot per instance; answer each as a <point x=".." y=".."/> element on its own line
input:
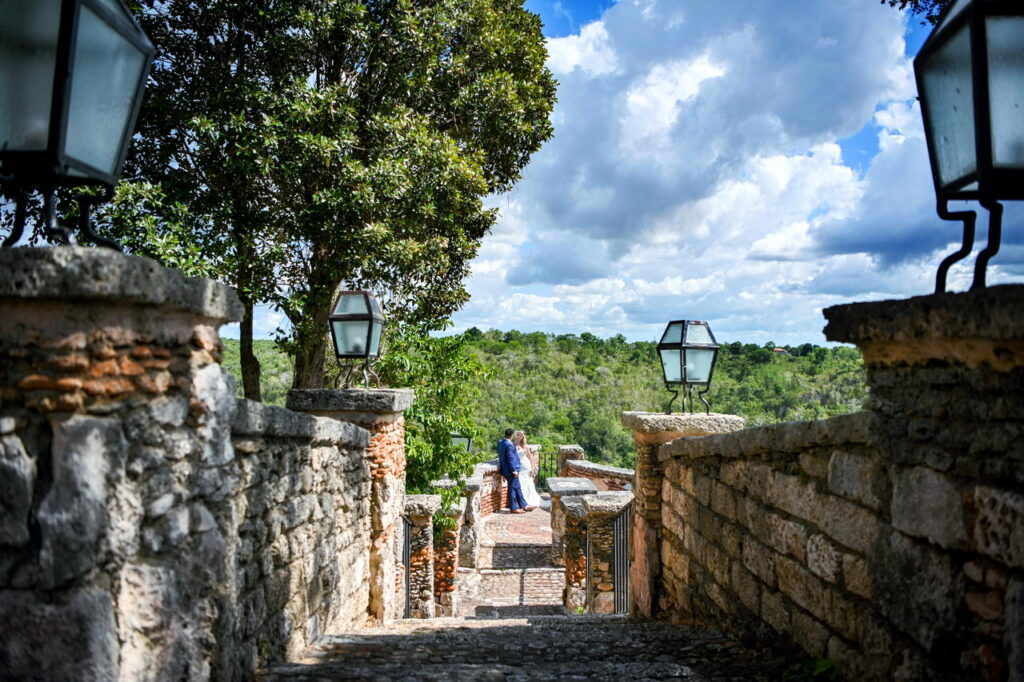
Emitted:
<point x="311" y="358"/>
<point x="311" y="331"/>
<point x="250" y="364"/>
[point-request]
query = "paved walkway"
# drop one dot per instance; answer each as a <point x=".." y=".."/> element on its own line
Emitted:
<point x="536" y="648"/>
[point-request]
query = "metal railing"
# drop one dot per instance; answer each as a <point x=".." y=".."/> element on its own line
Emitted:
<point x="621" y="531"/>
<point x="406" y="559"/>
<point x="547" y="467"/>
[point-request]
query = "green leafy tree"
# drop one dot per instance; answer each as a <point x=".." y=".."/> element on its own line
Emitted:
<point x="327" y="143"/>
<point x="930" y="10"/>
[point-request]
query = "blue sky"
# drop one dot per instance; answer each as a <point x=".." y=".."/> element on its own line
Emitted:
<point x="748" y="163"/>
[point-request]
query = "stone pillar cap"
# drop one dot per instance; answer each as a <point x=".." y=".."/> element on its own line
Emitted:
<point x="565" y="486"/>
<point x="573" y="506"/>
<point x="366" y="400"/>
<point x="421" y="505"/>
<point x="570" y="448"/>
<point x="665" y="427"/>
<point x="80" y="273"/>
<point x="607" y="503"/>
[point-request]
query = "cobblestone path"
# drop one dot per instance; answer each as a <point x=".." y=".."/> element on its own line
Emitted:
<point x="536" y="648"/>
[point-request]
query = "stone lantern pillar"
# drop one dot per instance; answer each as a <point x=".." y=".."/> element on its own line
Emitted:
<point x="379" y="411"/>
<point x="650" y="431"/>
<point x="419" y="509"/>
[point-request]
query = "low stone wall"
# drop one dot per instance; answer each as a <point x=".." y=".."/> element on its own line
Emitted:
<point x="419" y="509"/>
<point x="889" y="541"/>
<point x="446" y="563"/>
<point x="604" y="477"/>
<point x="559" y="488"/>
<point x="602" y="510"/>
<point x="492" y="488"/>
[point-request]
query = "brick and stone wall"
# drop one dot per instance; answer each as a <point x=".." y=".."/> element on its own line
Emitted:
<point x="564" y="487"/>
<point x="492" y="488"/>
<point x="379" y="411"/>
<point x="419" y="509"/>
<point x="446" y="562"/>
<point x="601" y="510"/>
<point x="604" y="476"/>
<point x="888" y="541"/>
<point x="151" y="527"/>
<point x="574" y="552"/>
<point x="472" y="527"/>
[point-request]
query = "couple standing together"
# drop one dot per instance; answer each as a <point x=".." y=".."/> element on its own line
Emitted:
<point x="515" y="462"/>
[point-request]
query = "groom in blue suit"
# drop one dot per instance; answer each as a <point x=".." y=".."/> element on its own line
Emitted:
<point x="508" y="465"/>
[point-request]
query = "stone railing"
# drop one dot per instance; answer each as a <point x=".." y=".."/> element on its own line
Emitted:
<point x="890" y="541"/>
<point x="153" y="527"/>
<point x="604" y="476"/>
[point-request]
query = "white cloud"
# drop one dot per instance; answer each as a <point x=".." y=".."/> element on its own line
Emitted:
<point x="589" y="51"/>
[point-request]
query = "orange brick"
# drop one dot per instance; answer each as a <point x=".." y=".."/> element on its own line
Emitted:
<point x="109" y="386"/>
<point x="156" y="363"/>
<point x="161" y="353"/>
<point x="69" y="384"/>
<point x="141" y="351"/>
<point x="72" y="362"/>
<point x="129" y="367"/>
<point x="105" y="368"/>
<point x="37" y="382"/>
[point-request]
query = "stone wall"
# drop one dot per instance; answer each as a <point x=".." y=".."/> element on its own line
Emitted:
<point x="492" y="488"/>
<point x="152" y="527"/>
<point x="601" y="510"/>
<point x="604" y="477"/>
<point x="559" y="488"/>
<point x="419" y="509"/>
<point x="446" y="562"/>
<point x="889" y="541"/>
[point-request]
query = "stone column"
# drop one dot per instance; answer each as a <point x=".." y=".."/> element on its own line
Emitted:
<point x="446" y="563"/>
<point x="601" y="510"/>
<point x="469" y="542"/>
<point x="650" y="431"/>
<point x="116" y="467"/>
<point x="419" y="509"/>
<point x="379" y="411"/>
<point x="567" y="452"/>
<point x="559" y="488"/>
<point x="574" y="552"/>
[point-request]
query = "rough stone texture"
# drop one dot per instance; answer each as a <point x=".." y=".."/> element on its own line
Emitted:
<point x="888" y="541"/>
<point x="650" y="432"/>
<point x="469" y="540"/>
<point x="446" y="564"/>
<point x="564" y="487"/>
<point x="601" y="510"/>
<point x="153" y="527"/>
<point x="419" y="509"/>
<point x="574" y="552"/>
<point x="605" y="477"/>
<point x="566" y="453"/>
<point x="379" y="411"/>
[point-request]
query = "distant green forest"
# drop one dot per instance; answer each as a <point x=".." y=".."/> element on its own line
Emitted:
<point x="571" y="389"/>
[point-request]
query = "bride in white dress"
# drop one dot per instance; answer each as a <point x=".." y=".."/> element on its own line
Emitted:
<point x="527" y="467"/>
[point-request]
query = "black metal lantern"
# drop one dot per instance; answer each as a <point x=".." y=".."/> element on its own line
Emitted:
<point x="356" y="325"/>
<point x="460" y="441"/>
<point x="970" y="77"/>
<point x="72" y="73"/>
<point x="688" y="351"/>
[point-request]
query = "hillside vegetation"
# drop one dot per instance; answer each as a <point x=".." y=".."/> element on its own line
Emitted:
<point x="571" y="389"/>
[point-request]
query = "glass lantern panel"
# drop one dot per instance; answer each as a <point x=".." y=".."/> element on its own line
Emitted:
<point x="375" y="339"/>
<point x="1006" y="89"/>
<point x="351" y="304"/>
<point x="105" y="79"/>
<point x="949" y="106"/>
<point x="698" y="333"/>
<point x="374" y="308"/>
<point x="350" y="337"/>
<point x="673" y="333"/>
<point x="671" y="366"/>
<point x="953" y="12"/>
<point x="28" y="54"/>
<point x="698" y="366"/>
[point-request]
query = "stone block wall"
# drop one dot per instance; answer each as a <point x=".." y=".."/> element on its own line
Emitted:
<point x="151" y="526"/>
<point x="601" y="510"/>
<point x="419" y="509"/>
<point x="604" y="477"/>
<point x="559" y="488"/>
<point x="446" y="562"/>
<point x="888" y="541"/>
<point x="574" y="552"/>
<point x="492" y="488"/>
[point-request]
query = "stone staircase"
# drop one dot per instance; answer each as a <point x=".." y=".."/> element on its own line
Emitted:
<point x="534" y="648"/>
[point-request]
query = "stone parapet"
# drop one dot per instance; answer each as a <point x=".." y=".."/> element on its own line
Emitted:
<point x="601" y="510"/>
<point x="566" y="453"/>
<point x="651" y="430"/>
<point x="470" y="533"/>
<point x="564" y="487"/>
<point x="604" y="476"/>
<point x="379" y="411"/>
<point x="419" y="509"/>
<point x="574" y="551"/>
<point x="446" y="561"/>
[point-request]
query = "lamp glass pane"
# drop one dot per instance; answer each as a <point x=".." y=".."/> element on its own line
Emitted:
<point x="671" y="365"/>
<point x="350" y="337"/>
<point x="374" y="308"/>
<point x="949" y="106"/>
<point x="698" y="366"/>
<point x="673" y="333"/>
<point x="1006" y="89"/>
<point x="106" y="73"/>
<point x="351" y="304"/>
<point x="28" y="54"/>
<point x="698" y="333"/>
<point x="375" y="339"/>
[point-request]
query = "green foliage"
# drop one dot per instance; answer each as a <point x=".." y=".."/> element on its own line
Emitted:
<point x="445" y="378"/>
<point x="276" y="375"/>
<point x="930" y="10"/>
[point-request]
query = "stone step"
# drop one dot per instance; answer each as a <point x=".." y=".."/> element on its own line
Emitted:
<point x="502" y="593"/>
<point x="534" y="648"/>
<point x="514" y="555"/>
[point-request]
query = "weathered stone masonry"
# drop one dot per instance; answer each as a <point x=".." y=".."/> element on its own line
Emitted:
<point x="150" y="527"/>
<point x="890" y="541"/>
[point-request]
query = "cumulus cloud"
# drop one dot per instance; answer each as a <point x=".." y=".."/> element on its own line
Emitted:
<point x="697" y="171"/>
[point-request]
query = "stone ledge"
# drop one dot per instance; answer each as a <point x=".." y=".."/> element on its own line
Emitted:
<point x="971" y="328"/>
<point x="791" y="437"/>
<point x="418" y="506"/>
<point x="603" y="469"/>
<point x="78" y="273"/>
<point x="367" y="400"/>
<point x="256" y="419"/>
<point x="682" y="424"/>
<point x="565" y="486"/>
<point x="606" y="503"/>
